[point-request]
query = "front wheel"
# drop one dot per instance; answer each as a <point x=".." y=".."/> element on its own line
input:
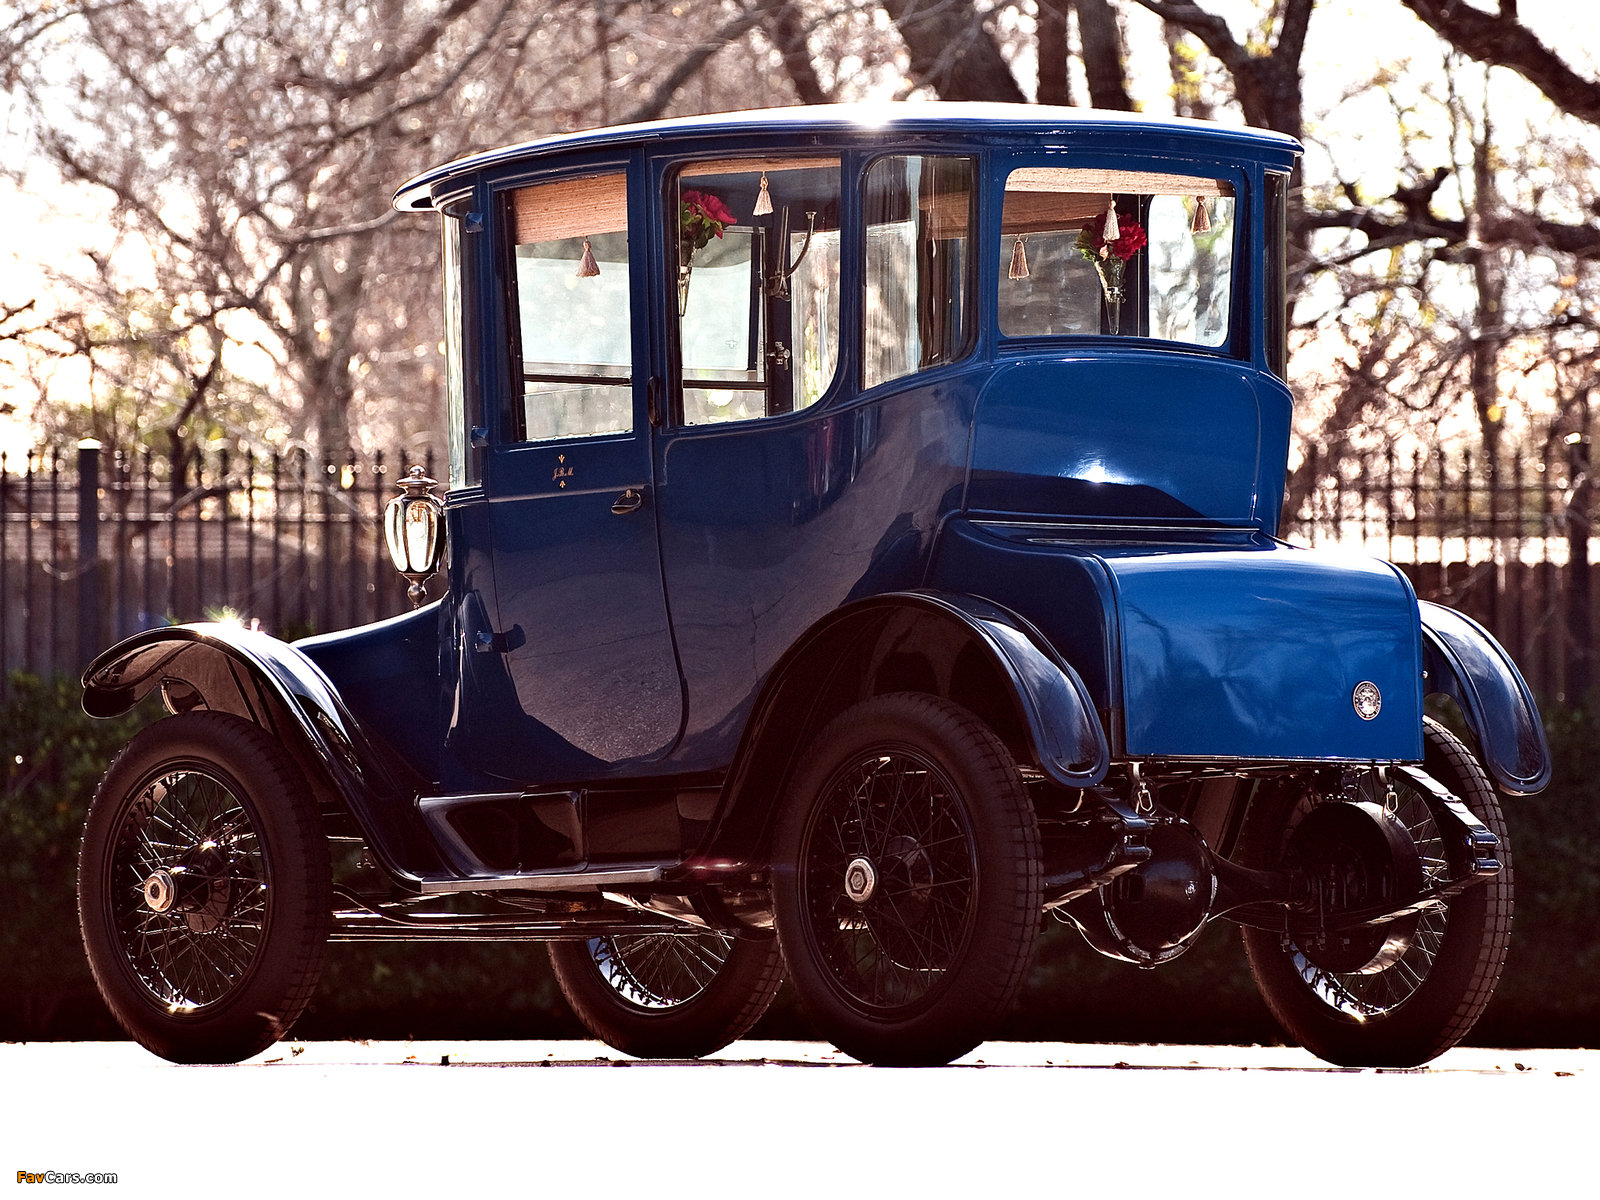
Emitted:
<point x="1402" y="993"/>
<point x="204" y="889"/>
<point x="907" y="881"/>
<point x="668" y="995"/>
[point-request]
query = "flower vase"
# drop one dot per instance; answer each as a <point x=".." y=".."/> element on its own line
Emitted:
<point x="1110" y="270"/>
<point x="685" y="253"/>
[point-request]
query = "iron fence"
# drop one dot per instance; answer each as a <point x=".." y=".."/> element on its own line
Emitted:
<point x="1503" y="538"/>
<point x="99" y="544"/>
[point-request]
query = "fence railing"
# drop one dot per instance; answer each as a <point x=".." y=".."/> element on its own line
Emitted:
<point x="99" y="544"/>
<point x="1504" y="539"/>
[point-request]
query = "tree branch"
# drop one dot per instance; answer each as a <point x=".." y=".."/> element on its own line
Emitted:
<point x="952" y="52"/>
<point x="1501" y="40"/>
<point x="1267" y="85"/>
<point x="400" y="64"/>
<point x="788" y="32"/>
<point x="697" y="58"/>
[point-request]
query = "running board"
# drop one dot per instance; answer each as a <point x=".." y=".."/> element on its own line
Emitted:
<point x="365" y="919"/>
<point x="610" y="876"/>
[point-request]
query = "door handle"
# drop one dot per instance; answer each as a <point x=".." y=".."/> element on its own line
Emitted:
<point x="630" y="501"/>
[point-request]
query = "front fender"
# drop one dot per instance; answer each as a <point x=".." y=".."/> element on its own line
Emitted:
<point x="226" y="668"/>
<point x="1464" y="662"/>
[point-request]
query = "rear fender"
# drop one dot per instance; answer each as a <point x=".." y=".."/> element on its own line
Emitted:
<point x="225" y="668"/>
<point x="906" y="641"/>
<point x="1464" y="662"/>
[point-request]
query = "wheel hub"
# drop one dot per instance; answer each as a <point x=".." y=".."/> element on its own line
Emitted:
<point x="160" y="891"/>
<point x="198" y="886"/>
<point x="1356" y="856"/>
<point x="860" y="880"/>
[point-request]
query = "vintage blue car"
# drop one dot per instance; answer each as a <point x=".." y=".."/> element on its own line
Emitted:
<point x="859" y="543"/>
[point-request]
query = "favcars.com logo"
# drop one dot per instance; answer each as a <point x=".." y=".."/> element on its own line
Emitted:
<point x="66" y="1177"/>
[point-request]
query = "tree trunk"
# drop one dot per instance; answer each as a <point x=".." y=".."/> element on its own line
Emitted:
<point x="1102" y="55"/>
<point x="788" y="33"/>
<point x="952" y="52"/>
<point x="1055" y="86"/>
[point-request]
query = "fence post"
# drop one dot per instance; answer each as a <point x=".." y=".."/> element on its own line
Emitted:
<point x="88" y="551"/>
<point x="1578" y="617"/>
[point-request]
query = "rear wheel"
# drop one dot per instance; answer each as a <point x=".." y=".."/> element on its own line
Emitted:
<point x="668" y="995"/>
<point x="1402" y="993"/>
<point x="907" y="880"/>
<point x="204" y="889"/>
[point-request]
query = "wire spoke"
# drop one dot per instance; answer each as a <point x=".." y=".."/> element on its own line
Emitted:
<point x="895" y="808"/>
<point x="196" y="953"/>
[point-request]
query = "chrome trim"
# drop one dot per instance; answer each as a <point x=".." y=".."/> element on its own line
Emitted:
<point x="547" y="881"/>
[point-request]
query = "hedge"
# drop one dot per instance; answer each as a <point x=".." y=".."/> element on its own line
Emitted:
<point x="53" y="757"/>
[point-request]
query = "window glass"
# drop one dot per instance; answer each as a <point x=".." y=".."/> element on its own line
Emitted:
<point x="916" y="310"/>
<point x="1162" y="267"/>
<point x="455" y="390"/>
<point x="574" y="336"/>
<point x="1277" y="294"/>
<point x="754" y="249"/>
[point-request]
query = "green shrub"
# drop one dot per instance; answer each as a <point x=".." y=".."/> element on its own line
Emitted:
<point x="53" y="756"/>
<point x="1550" y="992"/>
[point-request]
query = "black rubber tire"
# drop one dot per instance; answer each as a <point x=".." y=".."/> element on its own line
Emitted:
<point x="626" y="990"/>
<point x="1455" y="985"/>
<point x="957" y="882"/>
<point x="225" y="972"/>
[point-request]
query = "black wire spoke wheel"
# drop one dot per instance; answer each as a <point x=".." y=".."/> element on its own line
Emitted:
<point x="1404" y="992"/>
<point x="189" y="889"/>
<point x="668" y="995"/>
<point x="893" y="818"/>
<point x="907" y="880"/>
<point x="1402" y="953"/>
<point x="660" y="970"/>
<point x="204" y="889"/>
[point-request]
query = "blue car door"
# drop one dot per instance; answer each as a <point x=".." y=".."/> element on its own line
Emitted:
<point x="580" y="650"/>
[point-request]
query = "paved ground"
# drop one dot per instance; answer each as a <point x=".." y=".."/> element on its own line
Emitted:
<point x="796" y="1119"/>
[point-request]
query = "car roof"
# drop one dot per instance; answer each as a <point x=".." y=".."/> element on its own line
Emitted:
<point x="901" y="117"/>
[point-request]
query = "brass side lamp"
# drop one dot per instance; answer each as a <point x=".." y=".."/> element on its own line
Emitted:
<point x="414" y="525"/>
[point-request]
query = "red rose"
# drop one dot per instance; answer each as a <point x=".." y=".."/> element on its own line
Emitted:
<point x="1133" y="239"/>
<point x="717" y="211"/>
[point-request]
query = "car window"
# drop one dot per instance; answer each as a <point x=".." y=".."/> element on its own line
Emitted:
<point x="916" y="309"/>
<point x="1137" y="253"/>
<point x="454" y="356"/>
<point x="754" y="251"/>
<point x="573" y="336"/>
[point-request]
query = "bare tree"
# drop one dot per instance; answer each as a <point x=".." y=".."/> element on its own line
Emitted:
<point x="1501" y="40"/>
<point x="250" y="156"/>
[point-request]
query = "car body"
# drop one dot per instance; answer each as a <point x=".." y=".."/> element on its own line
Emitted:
<point x="830" y="487"/>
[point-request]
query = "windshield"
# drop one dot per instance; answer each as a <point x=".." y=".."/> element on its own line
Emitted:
<point x="1131" y="253"/>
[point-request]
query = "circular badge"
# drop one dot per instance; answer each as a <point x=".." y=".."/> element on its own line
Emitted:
<point x="1367" y="700"/>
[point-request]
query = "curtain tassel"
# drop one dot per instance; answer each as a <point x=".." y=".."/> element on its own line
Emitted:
<point x="587" y="267"/>
<point x="1019" y="259"/>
